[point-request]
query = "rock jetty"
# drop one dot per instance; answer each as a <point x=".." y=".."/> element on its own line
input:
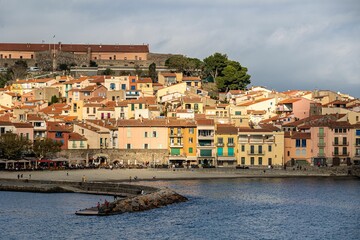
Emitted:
<point x="160" y="198"/>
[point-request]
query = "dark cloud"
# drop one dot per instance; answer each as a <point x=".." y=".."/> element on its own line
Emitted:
<point x="285" y="44"/>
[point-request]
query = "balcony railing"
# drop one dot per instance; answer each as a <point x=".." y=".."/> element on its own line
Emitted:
<point x="340" y="143"/>
<point x="231" y="144"/>
<point x="219" y="144"/>
<point x="176" y="145"/>
<point x="321" y="144"/>
<point x="256" y="153"/>
<point x="321" y="134"/>
<point x="339" y="154"/>
<point x="176" y="135"/>
<point x="321" y="155"/>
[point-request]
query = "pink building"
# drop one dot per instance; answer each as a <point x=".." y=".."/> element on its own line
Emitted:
<point x="25" y="130"/>
<point x="143" y="134"/>
<point x="300" y="107"/>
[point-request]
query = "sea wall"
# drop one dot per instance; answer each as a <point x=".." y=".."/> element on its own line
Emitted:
<point x="125" y="156"/>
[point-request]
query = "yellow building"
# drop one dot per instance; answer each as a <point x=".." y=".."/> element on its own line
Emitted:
<point x="261" y="147"/>
<point x="194" y="103"/>
<point x="145" y="86"/>
<point x="226" y="145"/>
<point x="182" y="142"/>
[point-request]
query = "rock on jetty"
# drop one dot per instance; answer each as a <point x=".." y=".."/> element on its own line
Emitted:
<point x="143" y="202"/>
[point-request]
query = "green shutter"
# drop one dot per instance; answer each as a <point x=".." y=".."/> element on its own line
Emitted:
<point x="220" y="151"/>
<point x="231" y="151"/>
<point x="175" y="151"/>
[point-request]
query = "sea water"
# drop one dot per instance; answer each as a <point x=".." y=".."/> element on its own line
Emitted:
<point x="296" y="208"/>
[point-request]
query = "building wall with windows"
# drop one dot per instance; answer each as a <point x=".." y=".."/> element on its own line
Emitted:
<point x="226" y="142"/>
<point x="260" y="147"/>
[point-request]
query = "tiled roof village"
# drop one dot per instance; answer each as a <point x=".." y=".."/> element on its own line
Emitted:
<point x="254" y="127"/>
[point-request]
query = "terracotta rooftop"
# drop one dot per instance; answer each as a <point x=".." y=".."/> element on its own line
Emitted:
<point x="226" y="129"/>
<point x="289" y="100"/>
<point x="76" y="137"/>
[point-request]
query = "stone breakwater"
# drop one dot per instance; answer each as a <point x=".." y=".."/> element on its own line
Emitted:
<point x="132" y="198"/>
<point x="160" y="198"/>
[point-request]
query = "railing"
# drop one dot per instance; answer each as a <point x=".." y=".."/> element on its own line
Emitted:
<point x="321" y="155"/>
<point x="340" y="143"/>
<point x="205" y="145"/>
<point x="256" y="153"/>
<point x="321" y="134"/>
<point x="219" y="144"/>
<point x="231" y="144"/>
<point x="339" y="154"/>
<point x="176" y="135"/>
<point x="321" y="144"/>
<point x="176" y="145"/>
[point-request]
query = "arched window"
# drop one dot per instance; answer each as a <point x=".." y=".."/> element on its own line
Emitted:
<point x="112" y="86"/>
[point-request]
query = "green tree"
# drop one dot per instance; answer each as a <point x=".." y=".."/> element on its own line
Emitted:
<point x="233" y="76"/>
<point x="13" y="146"/>
<point x="46" y="148"/>
<point x="214" y="65"/>
<point x="64" y="67"/>
<point x="93" y="63"/>
<point x="188" y="66"/>
<point x="152" y="72"/>
<point x="5" y="78"/>
<point x="54" y="99"/>
<point x="108" y="71"/>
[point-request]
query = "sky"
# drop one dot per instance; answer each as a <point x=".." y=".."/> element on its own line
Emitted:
<point x="285" y="44"/>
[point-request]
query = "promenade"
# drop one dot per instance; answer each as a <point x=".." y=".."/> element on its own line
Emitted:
<point x="168" y="174"/>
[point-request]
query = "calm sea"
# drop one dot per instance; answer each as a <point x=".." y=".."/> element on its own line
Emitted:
<point x="313" y="208"/>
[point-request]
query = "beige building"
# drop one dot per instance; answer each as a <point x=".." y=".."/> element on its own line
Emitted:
<point x="261" y="147"/>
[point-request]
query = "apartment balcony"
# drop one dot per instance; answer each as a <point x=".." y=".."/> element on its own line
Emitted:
<point x="321" y="144"/>
<point x="226" y="158"/>
<point x="321" y="155"/>
<point x="357" y="144"/>
<point x="205" y="145"/>
<point x="321" y="134"/>
<point x="210" y="136"/>
<point x="176" y="145"/>
<point x="175" y="135"/>
<point x="219" y="144"/>
<point x="256" y="153"/>
<point x="339" y="154"/>
<point x="340" y="143"/>
<point x="231" y="144"/>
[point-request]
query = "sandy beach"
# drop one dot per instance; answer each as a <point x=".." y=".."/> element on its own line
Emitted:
<point x="165" y="174"/>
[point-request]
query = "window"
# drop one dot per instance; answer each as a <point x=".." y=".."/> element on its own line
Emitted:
<point x="336" y="141"/>
<point x="288" y="153"/>
<point x="191" y="131"/>
<point x="303" y="142"/>
<point x="154" y="134"/>
<point x="112" y="86"/>
<point x="191" y="140"/>
<point x="252" y="160"/>
<point x="87" y="110"/>
<point x="252" y="149"/>
<point x="196" y="106"/>
<point x="94" y="110"/>
<point x="260" y="149"/>
<point x="231" y="141"/>
<point x="297" y="152"/>
<point x="27" y="136"/>
<point x="128" y="146"/>
<point x="133" y="88"/>
<point x="9" y="55"/>
<point x="146" y="134"/>
<point x="58" y="134"/>
<point x="190" y="150"/>
<point x="123" y="86"/>
<point x="237" y="113"/>
<point x="297" y="143"/>
<point x="146" y="146"/>
<point x="269" y="148"/>
<point x="132" y="107"/>
<point x="344" y="151"/>
<point x="242" y="160"/>
<point x="260" y="160"/>
<point x="243" y="148"/>
<point x="140" y="106"/>
<point x="344" y="141"/>
<point x="220" y="140"/>
<point x="269" y="161"/>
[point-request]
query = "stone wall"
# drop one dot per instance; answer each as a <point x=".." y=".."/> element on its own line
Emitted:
<point x="126" y="156"/>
